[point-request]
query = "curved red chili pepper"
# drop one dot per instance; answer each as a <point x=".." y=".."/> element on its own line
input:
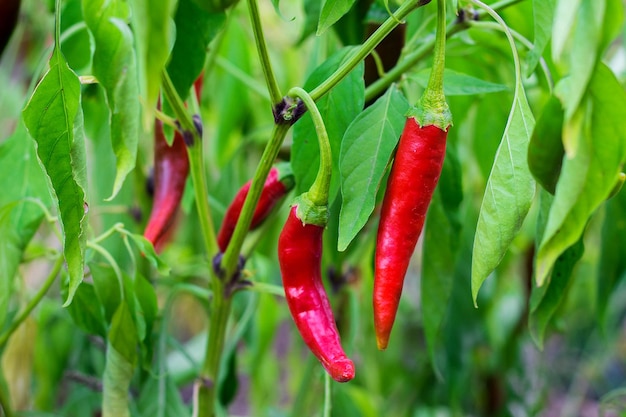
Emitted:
<point x="278" y="183"/>
<point x="299" y="255"/>
<point x="412" y="181"/>
<point x="171" y="167"/>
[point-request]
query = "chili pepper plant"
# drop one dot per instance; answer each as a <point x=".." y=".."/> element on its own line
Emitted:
<point x="312" y="208"/>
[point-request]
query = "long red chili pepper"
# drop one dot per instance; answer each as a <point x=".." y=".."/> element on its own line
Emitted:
<point x="412" y="181"/>
<point x="171" y="168"/>
<point x="278" y="183"/>
<point x="299" y="254"/>
<point x="410" y="187"/>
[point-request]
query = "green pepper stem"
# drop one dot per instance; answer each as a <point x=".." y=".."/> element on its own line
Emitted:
<point x="318" y="193"/>
<point x="4" y="338"/>
<point x="365" y="49"/>
<point x="434" y="89"/>
<point x="257" y="28"/>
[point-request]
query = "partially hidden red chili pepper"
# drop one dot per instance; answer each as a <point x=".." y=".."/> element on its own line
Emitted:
<point x="412" y="181"/>
<point x="299" y="255"/>
<point x="171" y="168"/>
<point x="278" y="183"/>
<point x="414" y="175"/>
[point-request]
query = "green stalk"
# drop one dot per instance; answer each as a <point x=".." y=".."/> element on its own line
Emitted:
<point x="196" y="164"/>
<point x="318" y="193"/>
<point x="33" y="302"/>
<point x="272" y="85"/>
<point x="231" y="256"/>
<point x="4" y="405"/>
<point x="365" y="49"/>
<point x="394" y="74"/>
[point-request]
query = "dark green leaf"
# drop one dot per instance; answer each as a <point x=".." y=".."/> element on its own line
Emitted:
<point x="545" y="300"/>
<point x="230" y="384"/>
<point x="366" y="149"/>
<point x="459" y="84"/>
<point x="312" y="9"/>
<point x="612" y="266"/>
<point x="87" y="312"/>
<point x="107" y="288"/>
<point x="332" y="11"/>
<point x="195" y="28"/>
<point x="545" y="151"/>
<point x="338" y="109"/>
<point x="115" y="67"/>
<point x="508" y="196"/>
<point x="589" y="175"/>
<point x="54" y="119"/>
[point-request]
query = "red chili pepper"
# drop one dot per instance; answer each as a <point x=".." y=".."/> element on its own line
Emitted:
<point x="299" y="255"/>
<point x="413" y="178"/>
<point x="171" y="168"/>
<point x="278" y="183"/>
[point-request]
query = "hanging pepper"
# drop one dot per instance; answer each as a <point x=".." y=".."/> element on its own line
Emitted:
<point x="171" y="168"/>
<point x="300" y="255"/>
<point x="278" y="183"/>
<point x="410" y="186"/>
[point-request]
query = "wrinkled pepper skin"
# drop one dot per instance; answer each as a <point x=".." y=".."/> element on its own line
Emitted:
<point x="412" y="181"/>
<point x="276" y="186"/>
<point x="171" y="167"/>
<point x="299" y="255"/>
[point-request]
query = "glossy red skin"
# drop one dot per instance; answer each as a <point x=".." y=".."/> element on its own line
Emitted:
<point x="412" y="181"/>
<point x="299" y="255"/>
<point x="273" y="191"/>
<point x="171" y="167"/>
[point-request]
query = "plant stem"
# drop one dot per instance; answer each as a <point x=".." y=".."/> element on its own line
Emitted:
<point x="365" y="49"/>
<point x="318" y="193"/>
<point x="231" y="256"/>
<point x="434" y="89"/>
<point x="394" y="74"/>
<point x="261" y="47"/>
<point x="33" y="302"/>
<point x="4" y="405"/>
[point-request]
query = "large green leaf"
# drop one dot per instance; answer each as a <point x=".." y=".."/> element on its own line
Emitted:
<point x="18" y="220"/>
<point x="115" y="68"/>
<point x="588" y="176"/>
<point x="543" y="17"/>
<point x="459" y="84"/>
<point x="612" y="266"/>
<point x="53" y="118"/>
<point x="160" y="398"/>
<point x="151" y="21"/>
<point x="366" y="149"/>
<point x="195" y="28"/>
<point x="509" y="193"/>
<point x="338" y="109"/>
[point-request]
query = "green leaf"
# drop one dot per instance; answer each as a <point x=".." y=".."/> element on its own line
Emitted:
<point x="151" y="20"/>
<point x="459" y="84"/>
<point x="587" y="177"/>
<point x="338" y="109"/>
<point x="564" y="22"/>
<point x="87" y="312"/>
<point x="545" y="300"/>
<point x="332" y="11"/>
<point x="148" y="251"/>
<point x="312" y="10"/>
<point x="107" y="288"/>
<point x="366" y="149"/>
<point x="53" y="118"/>
<point x="121" y="356"/>
<point x="195" y="28"/>
<point x="543" y="17"/>
<point x="545" y="151"/>
<point x="18" y="220"/>
<point x="508" y="195"/>
<point x="160" y="398"/>
<point x="115" y="68"/>
<point x="612" y="265"/>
